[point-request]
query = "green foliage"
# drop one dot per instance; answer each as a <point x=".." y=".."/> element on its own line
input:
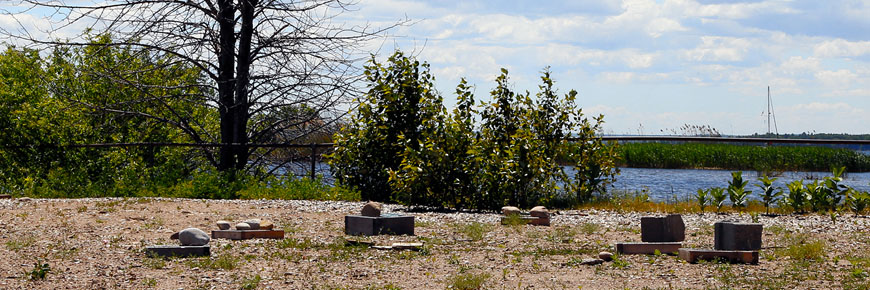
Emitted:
<point x="718" y="195"/>
<point x="703" y="198"/>
<point x="740" y="157"/>
<point x="40" y="270"/>
<point x="474" y="230"/>
<point x="857" y="201"/>
<point x="770" y="194"/>
<point x="797" y="196"/>
<point x="467" y="281"/>
<point x="389" y="118"/>
<point x="50" y="102"/>
<point x="402" y="136"/>
<point x="737" y="192"/>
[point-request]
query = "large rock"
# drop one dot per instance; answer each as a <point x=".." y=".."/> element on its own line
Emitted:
<point x="509" y="210"/>
<point x="606" y="256"/>
<point x="540" y="212"/>
<point x="193" y="237"/>
<point x="243" y="226"/>
<point x="372" y="209"/>
<point x="254" y="223"/>
<point x="224" y="225"/>
<point x="266" y="225"/>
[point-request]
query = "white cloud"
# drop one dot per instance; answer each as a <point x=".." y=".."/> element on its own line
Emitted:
<point x="716" y="48"/>
<point x="838" y="78"/>
<point x="842" y="48"/>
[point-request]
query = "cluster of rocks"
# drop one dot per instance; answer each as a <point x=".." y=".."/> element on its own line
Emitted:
<point x="194" y="243"/>
<point x="251" y="224"/>
<point x="602" y="257"/>
<point x="538" y="215"/>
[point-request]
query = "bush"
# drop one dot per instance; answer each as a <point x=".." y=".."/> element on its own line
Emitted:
<point x="402" y="144"/>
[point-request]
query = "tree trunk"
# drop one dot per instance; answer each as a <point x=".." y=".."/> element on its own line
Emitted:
<point x="225" y="82"/>
<point x="240" y="134"/>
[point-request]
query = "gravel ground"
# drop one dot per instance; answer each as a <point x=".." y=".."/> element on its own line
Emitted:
<point x="98" y="244"/>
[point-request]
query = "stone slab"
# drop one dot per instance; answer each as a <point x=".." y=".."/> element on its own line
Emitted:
<point x="742" y="257"/>
<point x="737" y="236"/>
<point x="529" y="220"/>
<point x="177" y="251"/>
<point x="647" y="248"/>
<point x="662" y="229"/>
<point x="247" y="234"/>
<point x="356" y="225"/>
<point x="5" y="196"/>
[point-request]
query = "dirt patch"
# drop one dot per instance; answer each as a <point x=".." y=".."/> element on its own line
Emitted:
<point x="98" y="243"/>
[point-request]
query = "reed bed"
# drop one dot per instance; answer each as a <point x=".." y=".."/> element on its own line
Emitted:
<point x="740" y="157"/>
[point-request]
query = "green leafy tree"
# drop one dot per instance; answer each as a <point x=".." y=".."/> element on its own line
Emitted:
<point x="390" y="117"/>
<point x="440" y="171"/>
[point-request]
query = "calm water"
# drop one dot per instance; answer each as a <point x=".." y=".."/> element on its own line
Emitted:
<point x="669" y="183"/>
<point x="666" y="184"/>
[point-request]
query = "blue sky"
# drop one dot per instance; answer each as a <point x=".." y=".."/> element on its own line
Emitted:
<point x="655" y="65"/>
<point x="647" y="65"/>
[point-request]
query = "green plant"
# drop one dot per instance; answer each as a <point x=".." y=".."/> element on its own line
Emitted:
<point x="797" y="196"/>
<point x="474" y="230"/>
<point x="718" y="195"/>
<point x="769" y="193"/>
<point x="801" y="248"/>
<point x="703" y="198"/>
<point x="467" y="281"/>
<point x="251" y="282"/>
<point x="737" y="192"/>
<point x="857" y="201"/>
<point x="39" y="271"/>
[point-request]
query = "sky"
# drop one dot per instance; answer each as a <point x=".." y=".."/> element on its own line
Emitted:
<point x="653" y="66"/>
<point x="650" y="66"/>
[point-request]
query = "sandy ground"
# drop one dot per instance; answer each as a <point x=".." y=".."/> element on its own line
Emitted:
<point x="98" y="244"/>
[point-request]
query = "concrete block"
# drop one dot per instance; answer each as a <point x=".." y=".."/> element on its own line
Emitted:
<point x="356" y="225"/>
<point x="695" y="255"/>
<point x="247" y="234"/>
<point x="177" y="251"/>
<point x="737" y="236"/>
<point x="662" y="229"/>
<point x="647" y="248"/>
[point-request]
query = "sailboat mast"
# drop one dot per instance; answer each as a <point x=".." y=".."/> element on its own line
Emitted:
<point x="770" y="113"/>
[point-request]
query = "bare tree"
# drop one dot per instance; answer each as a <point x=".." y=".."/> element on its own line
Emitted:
<point x="269" y="66"/>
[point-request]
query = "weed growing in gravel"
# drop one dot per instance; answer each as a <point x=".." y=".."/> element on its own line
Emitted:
<point x="467" y="281"/>
<point x="251" y="283"/>
<point x="150" y="282"/>
<point x="562" y="234"/>
<point x="513" y="220"/>
<point x="21" y="243"/>
<point x="589" y="228"/>
<point x="802" y="248"/>
<point x="153" y="224"/>
<point x="474" y="230"/>
<point x="222" y="262"/>
<point x="154" y="262"/>
<point x="39" y="271"/>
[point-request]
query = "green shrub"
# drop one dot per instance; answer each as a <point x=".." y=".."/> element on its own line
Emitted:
<point x="402" y="136"/>
<point x="467" y="281"/>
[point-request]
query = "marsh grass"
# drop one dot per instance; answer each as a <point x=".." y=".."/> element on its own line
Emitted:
<point x="740" y="157"/>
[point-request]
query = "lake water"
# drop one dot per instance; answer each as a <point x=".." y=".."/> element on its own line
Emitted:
<point x="665" y="184"/>
<point x="668" y="184"/>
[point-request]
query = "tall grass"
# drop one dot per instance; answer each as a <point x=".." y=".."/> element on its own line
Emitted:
<point x="740" y="157"/>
